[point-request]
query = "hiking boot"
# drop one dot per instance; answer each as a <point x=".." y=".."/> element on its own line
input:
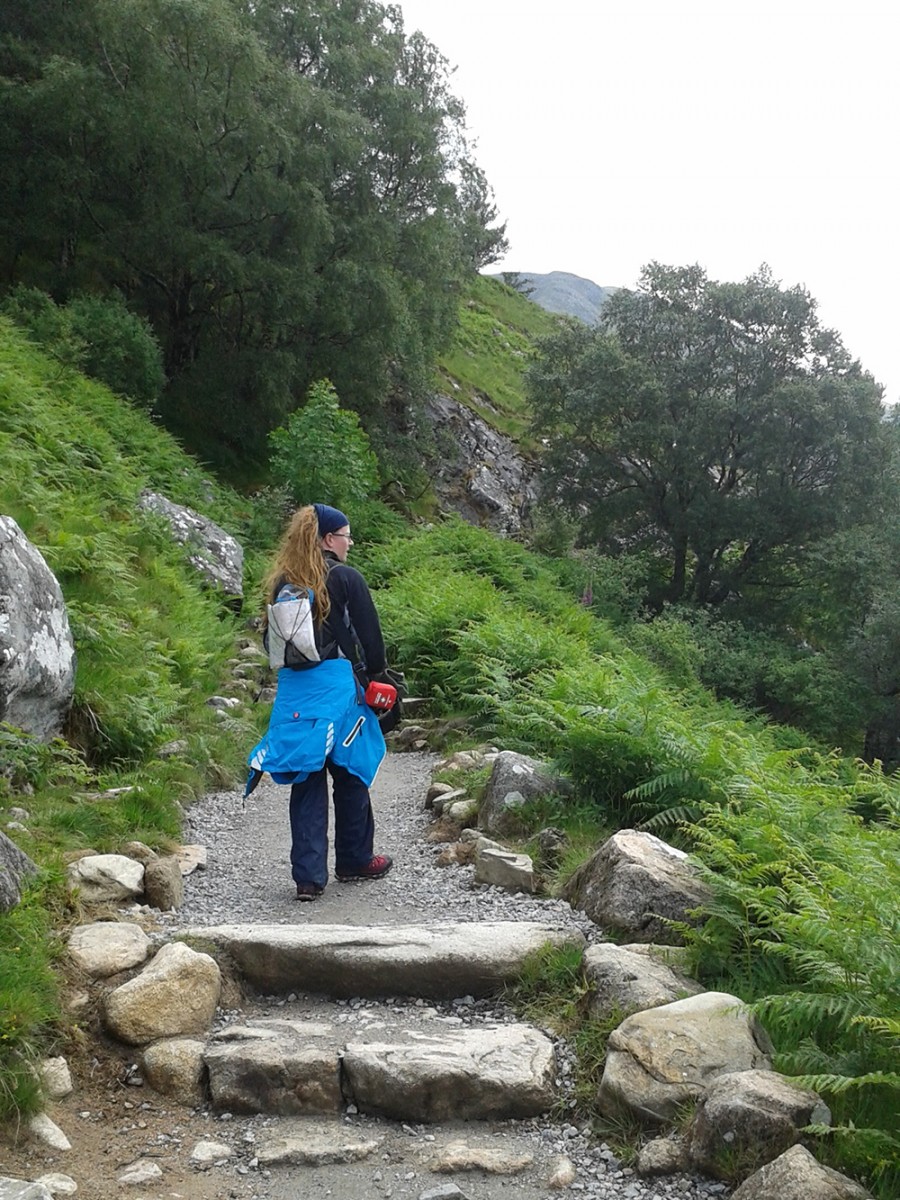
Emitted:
<point x="308" y="891"/>
<point x="375" y="868"/>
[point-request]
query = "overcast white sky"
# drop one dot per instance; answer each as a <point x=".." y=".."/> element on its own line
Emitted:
<point x="723" y="133"/>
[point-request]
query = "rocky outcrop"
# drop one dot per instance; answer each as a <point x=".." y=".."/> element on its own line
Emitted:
<point x="214" y="553"/>
<point x="660" y="1059"/>
<point x="37" y="652"/>
<point x="635" y="885"/>
<point x="479" y="473"/>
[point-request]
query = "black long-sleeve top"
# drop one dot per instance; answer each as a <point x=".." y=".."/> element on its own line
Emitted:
<point x="352" y="603"/>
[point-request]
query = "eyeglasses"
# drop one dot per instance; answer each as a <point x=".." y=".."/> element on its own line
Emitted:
<point x="344" y="535"/>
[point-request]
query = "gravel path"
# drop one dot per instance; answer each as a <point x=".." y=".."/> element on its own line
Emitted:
<point x="248" y="880"/>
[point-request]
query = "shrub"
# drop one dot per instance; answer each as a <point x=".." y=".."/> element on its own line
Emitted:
<point x="120" y="348"/>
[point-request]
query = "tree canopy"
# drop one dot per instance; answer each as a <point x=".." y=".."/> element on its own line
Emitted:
<point x="284" y="190"/>
<point x="717" y="426"/>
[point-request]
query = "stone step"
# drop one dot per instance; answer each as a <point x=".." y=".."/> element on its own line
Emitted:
<point x="391" y="1060"/>
<point x="434" y="961"/>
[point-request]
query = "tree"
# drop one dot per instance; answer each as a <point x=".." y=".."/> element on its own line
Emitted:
<point x="284" y="190"/>
<point x="718" y="425"/>
<point x="322" y="454"/>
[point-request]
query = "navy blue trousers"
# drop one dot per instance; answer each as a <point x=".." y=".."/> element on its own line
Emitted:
<point x="354" y="825"/>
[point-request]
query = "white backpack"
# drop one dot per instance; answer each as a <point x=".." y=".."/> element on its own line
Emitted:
<point x="291" y="635"/>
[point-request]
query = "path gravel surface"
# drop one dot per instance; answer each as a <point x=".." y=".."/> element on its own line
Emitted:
<point x="248" y="880"/>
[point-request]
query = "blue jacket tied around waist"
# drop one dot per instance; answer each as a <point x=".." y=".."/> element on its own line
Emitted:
<point x="317" y="715"/>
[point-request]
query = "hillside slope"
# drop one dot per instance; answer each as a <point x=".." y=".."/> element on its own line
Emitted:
<point x="567" y="294"/>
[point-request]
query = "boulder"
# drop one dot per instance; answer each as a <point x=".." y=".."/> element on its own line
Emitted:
<point x="175" y="995"/>
<point x="746" y="1119"/>
<point x="106" y="878"/>
<point x="164" y="884"/>
<point x="796" y="1175"/>
<point x="660" y="1059"/>
<point x="37" y="652"/>
<point x="474" y="1074"/>
<point x="15" y="868"/>
<point x="107" y="947"/>
<point x="515" y="779"/>
<point x="627" y="981"/>
<point x="634" y="885"/>
<point x="175" y="1067"/>
<point x="215" y="554"/>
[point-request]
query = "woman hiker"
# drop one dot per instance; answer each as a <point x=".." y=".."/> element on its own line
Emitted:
<point x="321" y="724"/>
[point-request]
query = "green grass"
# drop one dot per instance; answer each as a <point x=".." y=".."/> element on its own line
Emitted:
<point x="152" y="644"/>
<point x="490" y="352"/>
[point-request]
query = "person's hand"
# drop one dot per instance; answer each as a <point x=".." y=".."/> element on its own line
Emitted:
<point x="396" y="679"/>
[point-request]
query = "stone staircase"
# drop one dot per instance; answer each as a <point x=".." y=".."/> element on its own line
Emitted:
<point x="293" y="1051"/>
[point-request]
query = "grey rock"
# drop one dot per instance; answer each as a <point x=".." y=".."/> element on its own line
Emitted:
<point x="414" y="960"/>
<point x="37" y="651"/>
<point x="106" y="878"/>
<point x="464" y="1075"/>
<point x="493" y="1160"/>
<point x="515" y="779"/>
<point x="164" y="884"/>
<point x="215" y="554"/>
<point x="311" y="1143"/>
<point x="21" y="1189"/>
<point x="630" y="982"/>
<point x="15" y="868"/>
<point x="660" y="1059"/>
<point x="634" y="885"/>
<point x="282" y="1071"/>
<point x="480" y="473"/>
<point x="106" y="947"/>
<point x="503" y="868"/>
<point x="175" y="1067"/>
<point x="796" y="1175"/>
<point x="746" y="1119"/>
<point x="662" y="1156"/>
<point x="175" y="995"/>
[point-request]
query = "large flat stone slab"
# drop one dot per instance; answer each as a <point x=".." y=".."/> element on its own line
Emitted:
<point x="491" y="1073"/>
<point x="278" y="1067"/>
<point x="437" y="961"/>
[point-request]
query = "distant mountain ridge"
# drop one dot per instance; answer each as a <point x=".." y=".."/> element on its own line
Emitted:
<point x="571" y="295"/>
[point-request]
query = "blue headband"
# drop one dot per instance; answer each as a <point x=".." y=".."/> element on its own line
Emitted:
<point x="330" y="519"/>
